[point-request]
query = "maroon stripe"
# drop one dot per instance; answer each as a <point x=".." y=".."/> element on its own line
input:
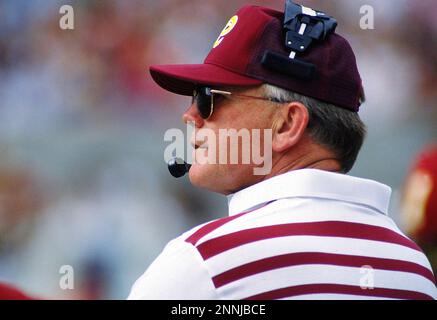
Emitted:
<point x="209" y="227"/>
<point x="339" y="289"/>
<point x="295" y="259"/>
<point x="343" y="229"/>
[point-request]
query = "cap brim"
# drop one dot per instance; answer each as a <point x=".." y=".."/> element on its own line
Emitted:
<point x="182" y="79"/>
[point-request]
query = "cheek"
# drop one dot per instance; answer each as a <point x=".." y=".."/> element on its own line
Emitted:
<point x="259" y="117"/>
<point x="227" y="177"/>
<point x="243" y="114"/>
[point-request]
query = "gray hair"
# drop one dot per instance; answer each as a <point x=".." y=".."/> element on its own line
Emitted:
<point x="338" y="129"/>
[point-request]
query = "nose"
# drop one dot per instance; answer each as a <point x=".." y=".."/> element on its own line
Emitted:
<point x="192" y="115"/>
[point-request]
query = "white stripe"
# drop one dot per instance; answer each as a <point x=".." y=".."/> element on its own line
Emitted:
<point x="303" y="210"/>
<point x="316" y="274"/>
<point x="294" y="244"/>
<point x="190" y="232"/>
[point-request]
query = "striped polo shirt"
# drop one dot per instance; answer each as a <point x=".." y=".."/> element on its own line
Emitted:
<point x="305" y="234"/>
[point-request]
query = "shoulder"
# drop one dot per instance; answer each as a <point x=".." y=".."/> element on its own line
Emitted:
<point x="179" y="272"/>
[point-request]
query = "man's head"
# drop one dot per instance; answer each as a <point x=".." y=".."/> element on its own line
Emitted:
<point x="305" y="133"/>
<point x="302" y="106"/>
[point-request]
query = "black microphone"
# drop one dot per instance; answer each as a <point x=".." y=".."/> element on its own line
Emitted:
<point x="178" y="167"/>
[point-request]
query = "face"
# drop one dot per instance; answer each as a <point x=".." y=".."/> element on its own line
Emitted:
<point x="244" y="115"/>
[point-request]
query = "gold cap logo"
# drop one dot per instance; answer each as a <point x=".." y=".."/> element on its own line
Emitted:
<point x="228" y="28"/>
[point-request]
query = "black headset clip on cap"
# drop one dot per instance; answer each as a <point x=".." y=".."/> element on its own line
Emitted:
<point x="302" y="27"/>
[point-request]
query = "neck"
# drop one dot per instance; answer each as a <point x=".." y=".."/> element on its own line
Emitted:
<point x="308" y="159"/>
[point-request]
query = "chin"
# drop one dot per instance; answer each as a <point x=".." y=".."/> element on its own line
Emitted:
<point x="206" y="176"/>
<point x="223" y="179"/>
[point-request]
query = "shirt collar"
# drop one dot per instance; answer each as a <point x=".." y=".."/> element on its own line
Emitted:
<point x="312" y="183"/>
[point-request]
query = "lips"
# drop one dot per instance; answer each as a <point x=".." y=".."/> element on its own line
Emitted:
<point x="199" y="144"/>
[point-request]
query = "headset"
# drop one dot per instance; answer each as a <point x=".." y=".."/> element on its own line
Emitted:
<point x="303" y="26"/>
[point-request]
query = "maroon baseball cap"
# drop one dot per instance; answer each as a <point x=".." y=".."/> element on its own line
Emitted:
<point x="236" y="60"/>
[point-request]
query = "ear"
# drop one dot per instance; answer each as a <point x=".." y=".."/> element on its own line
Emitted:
<point x="290" y="125"/>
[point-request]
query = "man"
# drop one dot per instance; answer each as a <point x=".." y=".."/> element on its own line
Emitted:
<point x="304" y="230"/>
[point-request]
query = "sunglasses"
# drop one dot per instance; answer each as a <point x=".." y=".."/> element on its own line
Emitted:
<point x="206" y="97"/>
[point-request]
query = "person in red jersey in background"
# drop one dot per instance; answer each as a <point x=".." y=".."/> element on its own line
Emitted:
<point x="419" y="202"/>
<point x="8" y="292"/>
<point x="20" y="199"/>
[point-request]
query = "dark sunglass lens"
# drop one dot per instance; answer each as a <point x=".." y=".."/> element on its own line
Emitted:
<point x="203" y="102"/>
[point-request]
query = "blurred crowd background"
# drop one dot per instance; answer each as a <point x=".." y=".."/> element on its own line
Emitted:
<point x="83" y="180"/>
